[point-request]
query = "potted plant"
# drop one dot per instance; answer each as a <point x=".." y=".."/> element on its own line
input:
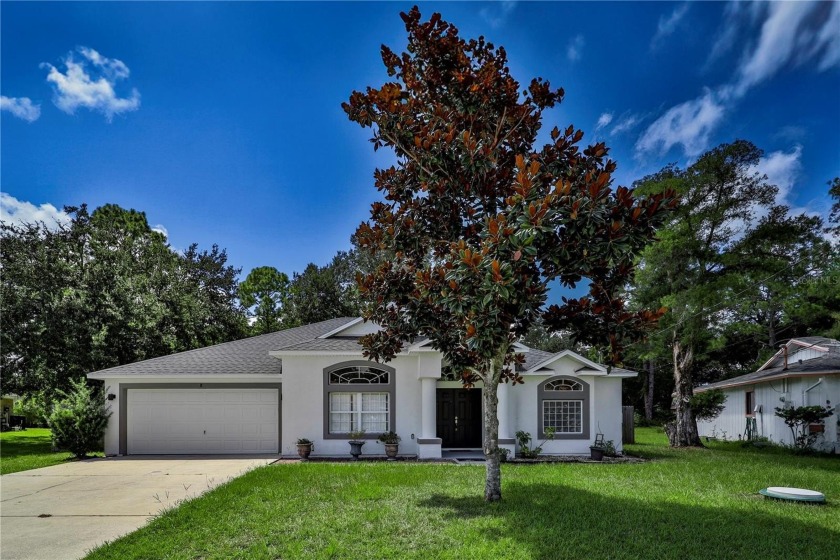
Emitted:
<point x="392" y="444"/>
<point x="304" y="447"/>
<point x="356" y="443"/>
<point x="602" y="449"/>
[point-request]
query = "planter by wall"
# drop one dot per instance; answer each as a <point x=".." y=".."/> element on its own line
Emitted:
<point x="356" y="449"/>
<point x="304" y="450"/>
<point x="596" y="453"/>
<point x="391" y="450"/>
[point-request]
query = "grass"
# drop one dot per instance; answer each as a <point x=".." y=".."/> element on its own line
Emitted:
<point x="28" y="449"/>
<point x="698" y="503"/>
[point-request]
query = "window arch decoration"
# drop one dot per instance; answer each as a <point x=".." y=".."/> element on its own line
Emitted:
<point x="563" y="385"/>
<point x="359" y="375"/>
<point x="563" y="403"/>
<point x="358" y="394"/>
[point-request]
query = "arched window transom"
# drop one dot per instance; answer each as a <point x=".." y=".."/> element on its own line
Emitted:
<point x="359" y="375"/>
<point x="563" y="385"/>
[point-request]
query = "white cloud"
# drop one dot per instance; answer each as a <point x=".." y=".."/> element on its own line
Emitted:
<point x="668" y="24"/>
<point x="160" y="228"/>
<point x="91" y="83"/>
<point x="604" y="120"/>
<point x="793" y="33"/>
<point x="575" y="48"/>
<point x="782" y="169"/>
<point x="790" y="34"/>
<point x="14" y="211"/>
<point x="21" y="107"/>
<point x="688" y="125"/>
<point x="497" y="13"/>
<point x="626" y="123"/>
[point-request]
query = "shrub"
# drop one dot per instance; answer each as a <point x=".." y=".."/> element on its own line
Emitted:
<point x="34" y="409"/>
<point x="523" y="438"/>
<point x="79" y="418"/>
<point x="799" y="418"/>
<point x="708" y="405"/>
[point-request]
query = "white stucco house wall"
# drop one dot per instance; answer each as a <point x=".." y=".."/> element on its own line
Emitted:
<point x="260" y="394"/>
<point x="804" y="372"/>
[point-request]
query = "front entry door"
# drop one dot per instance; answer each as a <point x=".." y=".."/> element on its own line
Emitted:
<point x="459" y="417"/>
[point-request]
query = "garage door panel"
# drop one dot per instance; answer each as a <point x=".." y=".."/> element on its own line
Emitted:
<point x="202" y="421"/>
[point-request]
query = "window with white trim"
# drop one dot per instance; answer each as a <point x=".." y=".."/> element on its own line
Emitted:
<point x="358" y="395"/>
<point x="350" y="412"/>
<point x="359" y="375"/>
<point x="563" y="403"/>
<point x="563" y="385"/>
<point x="566" y="417"/>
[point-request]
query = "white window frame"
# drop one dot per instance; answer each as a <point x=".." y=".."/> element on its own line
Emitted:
<point x="357" y="413"/>
<point x="580" y="412"/>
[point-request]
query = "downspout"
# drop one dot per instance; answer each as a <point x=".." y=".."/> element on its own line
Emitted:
<point x="804" y="393"/>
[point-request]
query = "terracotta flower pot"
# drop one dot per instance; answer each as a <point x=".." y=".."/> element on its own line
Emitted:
<point x="304" y="450"/>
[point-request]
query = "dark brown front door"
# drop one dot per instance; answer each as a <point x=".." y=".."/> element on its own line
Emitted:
<point x="459" y="417"/>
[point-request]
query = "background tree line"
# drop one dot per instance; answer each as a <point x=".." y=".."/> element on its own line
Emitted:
<point x="103" y="289"/>
<point x="738" y="273"/>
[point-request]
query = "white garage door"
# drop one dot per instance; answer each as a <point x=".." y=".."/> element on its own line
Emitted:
<point x="211" y="421"/>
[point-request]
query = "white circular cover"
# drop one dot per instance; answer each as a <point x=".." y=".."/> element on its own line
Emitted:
<point x="799" y="493"/>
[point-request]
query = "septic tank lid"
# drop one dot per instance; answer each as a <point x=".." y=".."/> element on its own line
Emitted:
<point x="793" y="494"/>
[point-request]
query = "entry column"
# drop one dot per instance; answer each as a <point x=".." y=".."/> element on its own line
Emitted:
<point x="428" y="372"/>
<point x="506" y="440"/>
<point x="428" y="442"/>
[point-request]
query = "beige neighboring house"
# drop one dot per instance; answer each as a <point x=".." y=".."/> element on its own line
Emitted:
<point x="260" y="394"/>
<point x="804" y="372"/>
<point x="7" y="405"/>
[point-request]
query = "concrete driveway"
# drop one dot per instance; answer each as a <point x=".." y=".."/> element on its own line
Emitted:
<point x="62" y="512"/>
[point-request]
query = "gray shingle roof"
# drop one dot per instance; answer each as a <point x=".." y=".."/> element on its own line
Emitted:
<point x="332" y="344"/>
<point x="828" y="363"/>
<point x="248" y="356"/>
<point x="533" y="357"/>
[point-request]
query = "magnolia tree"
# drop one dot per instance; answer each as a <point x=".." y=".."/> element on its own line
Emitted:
<point x="476" y="220"/>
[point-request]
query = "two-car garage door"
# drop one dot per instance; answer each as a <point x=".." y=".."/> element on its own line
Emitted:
<point x="202" y="421"/>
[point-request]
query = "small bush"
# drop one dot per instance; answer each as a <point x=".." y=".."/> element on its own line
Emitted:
<point x="79" y="419"/>
<point x="708" y="405"/>
<point x="799" y="419"/>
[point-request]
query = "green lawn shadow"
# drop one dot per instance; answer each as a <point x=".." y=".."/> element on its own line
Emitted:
<point x="554" y="521"/>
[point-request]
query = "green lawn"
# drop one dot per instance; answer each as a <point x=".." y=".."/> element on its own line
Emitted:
<point x="27" y="449"/>
<point x="682" y="504"/>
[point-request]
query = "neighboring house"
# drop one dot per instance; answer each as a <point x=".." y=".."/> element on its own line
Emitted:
<point x="805" y="371"/>
<point x="260" y="394"/>
<point x="7" y="405"/>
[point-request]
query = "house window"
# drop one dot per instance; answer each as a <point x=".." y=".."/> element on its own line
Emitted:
<point x="566" y="417"/>
<point x="358" y="375"/>
<point x="350" y="412"/>
<point x="358" y="395"/>
<point x="749" y="403"/>
<point x="563" y="385"/>
<point x="564" y="405"/>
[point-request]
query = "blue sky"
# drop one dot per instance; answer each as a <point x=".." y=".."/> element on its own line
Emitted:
<point x="222" y="121"/>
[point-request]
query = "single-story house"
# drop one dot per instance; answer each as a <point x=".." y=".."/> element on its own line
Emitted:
<point x="804" y="372"/>
<point x="260" y="394"/>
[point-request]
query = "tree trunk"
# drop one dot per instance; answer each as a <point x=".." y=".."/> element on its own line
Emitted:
<point x="493" y="478"/>
<point x="649" y="391"/>
<point x="682" y="432"/>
